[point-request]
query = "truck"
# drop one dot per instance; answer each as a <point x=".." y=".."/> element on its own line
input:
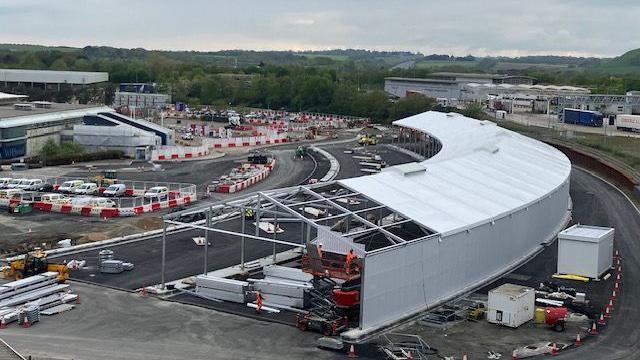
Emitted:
<point x="582" y="117"/>
<point x="628" y="122"/>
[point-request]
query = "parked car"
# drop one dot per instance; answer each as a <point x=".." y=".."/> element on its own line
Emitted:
<point x="31" y="184"/>
<point x="87" y="189"/>
<point x="4" y="182"/>
<point x="45" y="187"/>
<point x="157" y="193"/>
<point x="102" y="202"/>
<point x="54" y="198"/>
<point x="69" y="187"/>
<point x="15" y="183"/>
<point x="115" y="190"/>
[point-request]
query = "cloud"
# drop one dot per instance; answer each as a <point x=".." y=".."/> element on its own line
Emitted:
<point x="459" y="27"/>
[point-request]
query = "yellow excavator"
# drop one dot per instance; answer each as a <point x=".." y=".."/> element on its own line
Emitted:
<point x="34" y="263"/>
<point x="107" y="178"/>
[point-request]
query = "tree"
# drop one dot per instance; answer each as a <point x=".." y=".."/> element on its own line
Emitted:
<point x="59" y="65"/>
<point x="411" y="105"/>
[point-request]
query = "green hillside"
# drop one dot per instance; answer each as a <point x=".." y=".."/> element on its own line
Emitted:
<point x="628" y="62"/>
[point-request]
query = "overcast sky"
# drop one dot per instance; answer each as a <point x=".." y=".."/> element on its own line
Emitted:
<point x="459" y="27"/>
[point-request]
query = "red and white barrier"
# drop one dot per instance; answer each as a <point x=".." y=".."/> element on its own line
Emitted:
<point x="241" y="185"/>
<point x="220" y="143"/>
<point x="179" y="152"/>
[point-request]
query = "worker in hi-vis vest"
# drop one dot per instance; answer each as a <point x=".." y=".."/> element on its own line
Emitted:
<point x="258" y="302"/>
<point x="349" y="260"/>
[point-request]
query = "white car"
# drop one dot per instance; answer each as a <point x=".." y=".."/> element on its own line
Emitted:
<point x="31" y="184"/>
<point x="157" y="193"/>
<point x="69" y="187"/>
<point x="16" y="182"/>
<point x="4" y="182"/>
<point x="9" y="193"/>
<point x="87" y="189"/>
<point x="115" y="190"/>
<point x="102" y="202"/>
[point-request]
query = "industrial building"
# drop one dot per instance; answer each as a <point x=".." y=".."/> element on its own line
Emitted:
<point x="425" y="232"/>
<point x="26" y="126"/>
<point x="140" y="95"/>
<point x="464" y="78"/>
<point x="50" y="79"/>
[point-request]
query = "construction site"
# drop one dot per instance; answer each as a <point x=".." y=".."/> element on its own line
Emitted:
<point x="439" y="237"/>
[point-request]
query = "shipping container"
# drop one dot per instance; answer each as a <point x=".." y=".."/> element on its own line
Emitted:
<point x="582" y="117"/>
<point x="511" y="305"/>
<point x="628" y="122"/>
<point x="585" y="250"/>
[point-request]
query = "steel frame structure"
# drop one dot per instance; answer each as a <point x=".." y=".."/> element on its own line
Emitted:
<point x="360" y="218"/>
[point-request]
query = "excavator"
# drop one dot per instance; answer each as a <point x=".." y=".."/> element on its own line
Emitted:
<point x="34" y="263"/>
<point x="107" y="178"/>
<point x="368" y="140"/>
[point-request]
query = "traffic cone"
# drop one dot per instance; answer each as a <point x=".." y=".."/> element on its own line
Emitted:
<point x="601" y="321"/>
<point x="619" y="269"/>
<point x="594" y="330"/>
<point x="77" y="298"/>
<point x="352" y="352"/>
<point x="578" y="341"/>
<point x="26" y="324"/>
<point x="617" y="255"/>
<point x="554" y="349"/>
<point x="464" y="356"/>
<point x="618" y="278"/>
<point x="143" y="292"/>
<point x="616" y="286"/>
<point x="618" y="262"/>
<point x="613" y="295"/>
<point x="3" y="323"/>
<point x="409" y="356"/>
<point x="610" y="306"/>
<point x="607" y="313"/>
<point x="514" y="355"/>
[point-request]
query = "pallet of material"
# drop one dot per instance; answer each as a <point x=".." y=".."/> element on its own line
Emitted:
<point x="283" y="300"/>
<point x="27" y="284"/>
<point x="284" y="272"/>
<point x="219" y="283"/>
<point x="274" y="287"/>
<point x="222" y="295"/>
<point x="57" y="309"/>
<point x="33" y="295"/>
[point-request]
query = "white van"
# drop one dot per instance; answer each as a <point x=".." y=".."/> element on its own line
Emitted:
<point x="4" y="182"/>
<point x="9" y="193"/>
<point x="69" y="187"/>
<point x="31" y="184"/>
<point x="16" y="182"/>
<point x="87" y="189"/>
<point x="102" y="202"/>
<point x="157" y="193"/>
<point x="54" y="198"/>
<point x="115" y="190"/>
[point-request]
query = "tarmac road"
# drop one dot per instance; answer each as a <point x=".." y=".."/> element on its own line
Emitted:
<point x="621" y="340"/>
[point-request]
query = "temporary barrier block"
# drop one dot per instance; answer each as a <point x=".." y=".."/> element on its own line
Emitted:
<point x="188" y="155"/>
<point x="174" y="156"/>
<point x="161" y="157"/>
<point x="155" y="206"/>
<point x="109" y="213"/>
<point x="173" y="203"/>
<point x="138" y="210"/>
<point x="217" y="146"/>
<point x="85" y="211"/>
<point x="65" y="209"/>
<point x="232" y="144"/>
<point x="245" y="143"/>
<point x="128" y="192"/>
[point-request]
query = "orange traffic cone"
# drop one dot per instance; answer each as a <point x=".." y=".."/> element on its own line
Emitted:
<point x="607" y="314"/>
<point x="618" y="279"/>
<point x="554" y="349"/>
<point x="613" y="295"/>
<point x="26" y="324"/>
<point x="352" y="352"/>
<point x="77" y="298"/>
<point x="617" y="255"/>
<point x="143" y="292"/>
<point x="3" y="323"/>
<point x="594" y="330"/>
<point x="514" y="355"/>
<point x="610" y="305"/>
<point x="616" y="286"/>
<point x="601" y="321"/>
<point x="578" y="341"/>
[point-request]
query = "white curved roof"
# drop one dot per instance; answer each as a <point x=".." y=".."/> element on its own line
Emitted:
<point x="482" y="172"/>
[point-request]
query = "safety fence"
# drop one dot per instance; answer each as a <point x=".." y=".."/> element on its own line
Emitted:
<point x="179" y="152"/>
<point x="131" y="199"/>
<point x="240" y="184"/>
<point x="245" y="141"/>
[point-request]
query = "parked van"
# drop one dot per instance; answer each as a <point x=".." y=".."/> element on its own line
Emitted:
<point x="87" y="189"/>
<point x="69" y="187"/>
<point x="157" y="193"/>
<point x="115" y="190"/>
<point x="4" y="182"/>
<point x="9" y="193"/>
<point x="54" y="198"/>
<point x="31" y="184"/>
<point x="16" y="182"/>
<point x="102" y="202"/>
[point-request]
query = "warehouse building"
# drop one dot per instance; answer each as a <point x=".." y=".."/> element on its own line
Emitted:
<point x="464" y="78"/>
<point x="50" y="79"/>
<point x="26" y="126"/>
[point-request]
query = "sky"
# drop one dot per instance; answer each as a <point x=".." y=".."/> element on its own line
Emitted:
<point x="457" y="27"/>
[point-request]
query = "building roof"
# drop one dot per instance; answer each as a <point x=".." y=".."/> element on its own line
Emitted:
<point x="52" y="76"/>
<point x="511" y="290"/>
<point x="9" y="117"/>
<point x="436" y="81"/>
<point x="483" y="172"/>
<point x="478" y="75"/>
<point x="585" y="233"/>
<point x="7" y="96"/>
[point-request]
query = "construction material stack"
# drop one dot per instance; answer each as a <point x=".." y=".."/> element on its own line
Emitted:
<point x="27" y="298"/>
<point x="223" y="289"/>
<point x="283" y="286"/>
<point x="108" y="265"/>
